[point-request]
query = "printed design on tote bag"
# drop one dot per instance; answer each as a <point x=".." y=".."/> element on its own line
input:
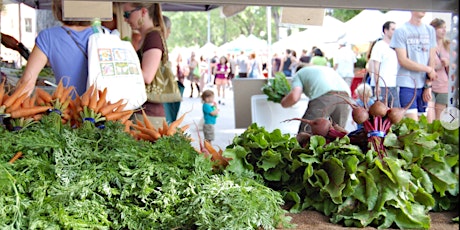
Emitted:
<point x="122" y="68"/>
<point x="119" y="54"/>
<point x="114" y="61"/>
<point x="107" y="69"/>
<point x="133" y="69"/>
<point x="105" y="55"/>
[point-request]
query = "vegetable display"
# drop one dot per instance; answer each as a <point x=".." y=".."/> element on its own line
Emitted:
<point x="277" y="87"/>
<point x="90" y="172"/>
<point x="418" y="174"/>
<point x="91" y="178"/>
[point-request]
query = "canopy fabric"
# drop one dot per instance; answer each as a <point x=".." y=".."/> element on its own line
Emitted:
<point x="46" y="5"/>
<point x="250" y="43"/>
<point x="364" y="27"/>
<point x="331" y="31"/>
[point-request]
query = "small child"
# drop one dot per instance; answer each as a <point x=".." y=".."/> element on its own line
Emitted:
<point x="210" y="112"/>
<point x="364" y="92"/>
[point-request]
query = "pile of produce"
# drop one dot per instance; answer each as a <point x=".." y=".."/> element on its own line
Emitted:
<point x="391" y="173"/>
<point x="277" y="87"/>
<point x="419" y="173"/>
<point x="72" y="167"/>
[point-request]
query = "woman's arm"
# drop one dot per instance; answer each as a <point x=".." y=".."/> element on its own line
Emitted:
<point x="151" y="61"/>
<point x="37" y="60"/>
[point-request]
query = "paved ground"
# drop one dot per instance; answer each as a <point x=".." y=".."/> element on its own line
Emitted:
<point x="225" y="126"/>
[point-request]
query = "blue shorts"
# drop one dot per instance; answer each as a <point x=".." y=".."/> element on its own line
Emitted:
<point x="405" y="96"/>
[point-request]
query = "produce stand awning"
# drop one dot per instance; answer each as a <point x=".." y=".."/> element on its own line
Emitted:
<point x="46" y="5"/>
<point x="423" y="5"/>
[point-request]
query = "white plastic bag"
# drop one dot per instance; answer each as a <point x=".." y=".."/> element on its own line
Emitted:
<point x="113" y="64"/>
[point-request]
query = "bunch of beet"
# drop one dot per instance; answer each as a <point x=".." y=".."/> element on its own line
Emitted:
<point x="377" y="119"/>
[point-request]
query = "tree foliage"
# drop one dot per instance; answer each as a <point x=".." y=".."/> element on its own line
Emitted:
<point x="344" y="14"/>
<point x="191" y="28"/>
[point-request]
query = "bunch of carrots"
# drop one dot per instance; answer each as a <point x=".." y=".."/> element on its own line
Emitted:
<point x="18" y="110"/>
<point x="144" y="130"/>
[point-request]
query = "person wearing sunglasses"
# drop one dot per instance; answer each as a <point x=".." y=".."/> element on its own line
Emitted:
<point x="64" y="48"/>
<point x="147" y="18"/>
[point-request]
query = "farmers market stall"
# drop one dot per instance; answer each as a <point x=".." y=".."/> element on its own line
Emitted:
<point x="81" y="163"/>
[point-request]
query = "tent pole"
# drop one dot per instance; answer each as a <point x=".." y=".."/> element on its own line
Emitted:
<point x="19" y="64"/>
<point x="269" y="41"/>
<point x="208" y="59"/>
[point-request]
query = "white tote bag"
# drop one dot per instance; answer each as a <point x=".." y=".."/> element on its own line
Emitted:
<point x="113" y="64"/>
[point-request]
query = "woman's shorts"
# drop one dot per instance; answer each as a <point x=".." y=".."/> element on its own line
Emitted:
<point x="221" y="81"/>
<point x="440" y="98"/>
<point x="405" y="96"/>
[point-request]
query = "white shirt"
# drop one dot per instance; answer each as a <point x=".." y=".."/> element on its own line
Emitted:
<point x="382" y="53"/>
<point x="345" y="60"/>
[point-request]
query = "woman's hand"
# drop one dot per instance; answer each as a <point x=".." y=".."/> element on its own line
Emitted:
<point x="427" y="95"/>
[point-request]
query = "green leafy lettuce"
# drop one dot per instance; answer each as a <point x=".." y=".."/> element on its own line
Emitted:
<point x="277" y="87"/>
<point x="355" y="188"/>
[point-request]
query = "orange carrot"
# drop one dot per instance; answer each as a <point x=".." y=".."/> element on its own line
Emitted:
<point x="32" y="101"/>
<point x="121" y="107"/>
<point x="26" y="112"/>
<point x="139" y="122"/>
<point x="12" y="98"/>
<point x="93" y="101"/>
<point x="66" y="94"/>
<point x="86" y="95"/>
<point x="185" y="127"/>
<point x="147" y="122"/>
<point x="117" y="115"/>
<point x="165" y="127"/>
<point x="102" y="100"/>
<point x="128" y="124"/>
<point x="15" y="157"/>
<point x="59" y="90"/>
<point x="125" y="118"/>
<point x="110" y="107"/>
<point x="40" y="101"/>
<point x="216" y="156"/>
<point x="45" y="96"/>
<point x="152" y="132"/>
<point x="172" y="127"/>
<point x="25" y="103"/>
<point x="17" y="104"/>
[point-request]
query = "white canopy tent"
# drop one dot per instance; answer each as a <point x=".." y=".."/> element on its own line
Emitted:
<point x="244" y="43"/>
<point x="364" y="27"/>
<point x="320" y="36"/>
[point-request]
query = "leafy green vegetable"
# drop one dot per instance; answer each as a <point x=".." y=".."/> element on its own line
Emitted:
<point x="419" y="174"/>
<point x="89" y="178"/>
<point x="277" y="87"/>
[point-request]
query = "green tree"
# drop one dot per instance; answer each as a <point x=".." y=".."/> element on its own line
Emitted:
<point x="191" y="28"/>
<point x="344" y="14"/>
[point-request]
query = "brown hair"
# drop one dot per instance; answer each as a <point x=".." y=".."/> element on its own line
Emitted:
<point x="155" y="14"/>
<point x="437" y="23"/>
<point x="252" y="55"/>
<point x="207" y="93"/>
<point x="57" y="12"/>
